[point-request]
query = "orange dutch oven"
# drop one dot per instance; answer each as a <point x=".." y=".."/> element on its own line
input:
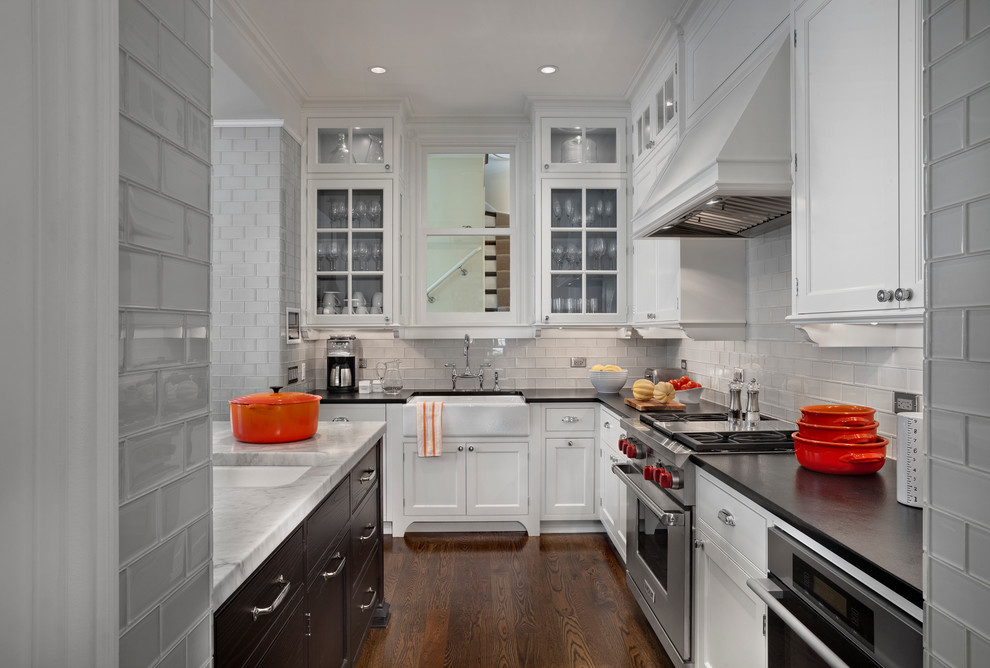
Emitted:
<point x="274" y="417"/>
<point x="840" y="458"/>
<point x="866" y="433"/>
<point x="837" y="415"/>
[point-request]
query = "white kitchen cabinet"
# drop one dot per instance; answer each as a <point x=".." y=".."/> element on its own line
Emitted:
<point x="471" y="480"/>
<point x="347" y="253"/>
<point x="692" y="287"/>
<point x="655" y="123"/>
<point x="583" y="252"/>
<point x="350" y="145"/>
<point x="582" y="145"/>
<point x="569" y="459"/>
<point x="729" y="617"/>
<point x="857" y="223"/>
<point x="352" y="412"/>
<point x="612" y="492"/>
<point x="730" y="548"/>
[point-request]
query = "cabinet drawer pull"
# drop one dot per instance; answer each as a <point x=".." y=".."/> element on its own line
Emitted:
<point x="368" y="476"/>
<point x="374" y="597"/>
<point x="340" y="418"/>
<point x="727" y="518"/>
<point x="373" y="528"/>
<point x="570" y="418"/>
<point x="258" y="612"/>
<point x="332" y="574"/>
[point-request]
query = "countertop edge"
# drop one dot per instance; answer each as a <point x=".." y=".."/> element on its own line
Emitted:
<point x="239" y="559"/>
<point x="875" y="570"/>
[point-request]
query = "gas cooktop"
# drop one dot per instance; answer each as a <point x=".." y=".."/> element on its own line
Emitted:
<point x="715" y="432"/>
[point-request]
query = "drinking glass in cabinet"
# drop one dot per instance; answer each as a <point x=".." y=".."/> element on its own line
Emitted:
<point x="566" y="294"/>
<point x="565" y="208"/>
<point x="360" y="218"/>
<point x="331" y="208"/>
<point x="573" y="254"/>
<point x="602" y="289"/>
<point x="367" y="145"/>
<point x="333" y="146"/>
<point x="602" y="202"/>
<point x="596" y="252"/>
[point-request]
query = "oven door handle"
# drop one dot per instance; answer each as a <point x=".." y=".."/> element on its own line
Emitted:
<point x="666" y="517"/>
<point x="768" y="591"/>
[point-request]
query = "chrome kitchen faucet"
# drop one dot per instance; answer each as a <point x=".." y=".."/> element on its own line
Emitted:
<point x="467" y="368"/>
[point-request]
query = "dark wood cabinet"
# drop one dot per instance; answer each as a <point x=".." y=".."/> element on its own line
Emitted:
<point x="311" y="603"/>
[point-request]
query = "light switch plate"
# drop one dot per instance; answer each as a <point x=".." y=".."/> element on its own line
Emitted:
<point x="684" y="365"/>
<point x="302" y="371"/>
<point x="292" y="375"/>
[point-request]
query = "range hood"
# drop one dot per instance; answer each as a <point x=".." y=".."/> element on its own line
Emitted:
<point x="732" y="170"/>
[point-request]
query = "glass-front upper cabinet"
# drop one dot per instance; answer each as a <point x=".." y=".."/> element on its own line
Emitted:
<point x="658" y="116"/>
<point x="350" y="145"/>
<point x="583" y="145"/>
<point x="348" y="254"/>
<point x="583" y="251"/>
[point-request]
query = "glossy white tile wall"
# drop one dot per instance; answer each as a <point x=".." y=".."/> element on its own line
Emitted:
<point x="957" y="354"/>
<point x="256" y="258"/>
<point x="793" y="372"/>
<point x="165" y="499"/>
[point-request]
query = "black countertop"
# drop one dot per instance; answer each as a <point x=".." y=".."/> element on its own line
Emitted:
<point x="857" y="517"/>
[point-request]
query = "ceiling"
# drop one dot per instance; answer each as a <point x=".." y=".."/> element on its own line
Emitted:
<point x="453" y="57"/>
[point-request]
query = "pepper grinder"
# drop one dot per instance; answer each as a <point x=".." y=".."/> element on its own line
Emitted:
<point x="753" y="402"/>
<point x="735" y="396"/>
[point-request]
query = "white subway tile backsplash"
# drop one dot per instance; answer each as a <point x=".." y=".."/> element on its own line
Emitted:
<point x="945" y="334"/>
<point x="183" y="610"/>
<point x="185" y="500"/>
<point x="199" y="645"/>
<point x="137" y="402"/>
<point x="153" y="221"/>
<point x="185" y="392"/>
<point x="977" y="439"/>
<point x="197" y="30"/>
<point x="198" y="542"/>
<point x="138" y="526"/>
<point x="182" y="68"/>
<point x="155" y="574"/>
<point x="948" y="637"/>
<point x="140" y="645"/>
<point x="150" y="101"/>
<point x="199" y="442"/>
<point x="947" y="232"/>
<point x="138" y="31"/>
<point x="959" y="491"/>
<point x="152" y="459"/>
<point x="971" y="598"/>
<point x="959" y="386"/>
<point x="960" y="73"/>
<point x="947" y="29"/>
<point x="183" y="285"/>
<point x="185" y="178"/>
<point x="138" y="154"/>
<point x="154" y="340"/>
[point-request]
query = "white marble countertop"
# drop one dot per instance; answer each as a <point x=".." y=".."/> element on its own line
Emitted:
<point x="250" y="522"/>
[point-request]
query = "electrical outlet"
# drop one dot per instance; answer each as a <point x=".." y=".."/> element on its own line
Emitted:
<point x="738" y="374"/>
<point x="904" y="402"/>
<point x="302" y="371"/>
<point x="579" y="362"/>
<point x="362" y="363"/>
<point x="292" y="375"/>
<point x="684" y="365"/>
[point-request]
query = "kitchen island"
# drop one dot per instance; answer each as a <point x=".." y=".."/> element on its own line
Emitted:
<point x="249" y="523"/>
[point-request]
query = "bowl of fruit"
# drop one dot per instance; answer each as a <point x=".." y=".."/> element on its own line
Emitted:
<point x="607" y="378"/>
<point x="686" y="390"/>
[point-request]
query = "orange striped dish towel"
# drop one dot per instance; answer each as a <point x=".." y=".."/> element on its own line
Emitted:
<point x="429" y="428"/>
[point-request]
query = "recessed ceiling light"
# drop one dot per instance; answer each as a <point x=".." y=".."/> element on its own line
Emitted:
<point x="377" y="69"/>
<point x="548" y="69"/>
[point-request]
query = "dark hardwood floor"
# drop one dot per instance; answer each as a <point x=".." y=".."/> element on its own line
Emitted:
<point x="506" y="600"/>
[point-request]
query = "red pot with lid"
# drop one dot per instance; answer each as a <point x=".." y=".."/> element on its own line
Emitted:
<point x="837" y="415"/>
<point x="866" y="433"/>
<point x="274" y="417"/>
<point x="840" y="458"/>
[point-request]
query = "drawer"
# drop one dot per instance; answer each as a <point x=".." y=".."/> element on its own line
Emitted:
<point x="326" y="523"/>
<point x="741" y="524"/>
<point x="239" y="635"/>
<point x="365" y="536"/>
<point x="364" y="477"/>
<point x="364" y="598"/>
<point x="289" y="647"/>
<point x="352" y="412"/>
<point x="569" y="419"/>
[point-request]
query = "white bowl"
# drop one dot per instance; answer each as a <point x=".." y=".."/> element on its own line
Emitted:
<point x="608" y="382"/>
<point x="691" y="396"/>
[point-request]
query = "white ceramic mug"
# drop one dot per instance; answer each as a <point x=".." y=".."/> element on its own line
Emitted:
<point x="376" y="300"/>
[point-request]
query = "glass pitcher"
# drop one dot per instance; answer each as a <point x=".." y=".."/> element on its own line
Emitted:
<point x="388" y="373"/>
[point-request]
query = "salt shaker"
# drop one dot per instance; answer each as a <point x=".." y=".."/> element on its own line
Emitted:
<point x="753" y="402"/>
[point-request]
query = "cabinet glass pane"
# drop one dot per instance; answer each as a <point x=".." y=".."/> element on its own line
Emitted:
<point x="580" y="145"/>
<point x="602" y="248"/>
<point x="333" y="147"/>
<point x="331" y="208"/>
<point x="367" y="145"/>
<point x="566" y="294"/>
<point x="331" y="251"/>
<point x="366" y="251"/>
<point x="566" y="251"/>
<point x="331" y="291"/>
<point x="468" y="274"/>
<point x="647" y="130"/>
<point x="367" y="211"/>
<point x="601" y="207"/>
<point x="565" y="208"/>
<point x="668" y="99"/>
<point x="600" y="293"/>
<point x="366" y="294"/>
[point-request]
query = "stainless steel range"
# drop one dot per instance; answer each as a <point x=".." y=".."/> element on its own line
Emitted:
<point x="660" y="484"/>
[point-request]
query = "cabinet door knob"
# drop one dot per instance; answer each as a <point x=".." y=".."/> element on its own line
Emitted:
<point x="460" y="448"/>
<point x="884" y="295"/>
<point x="470" y="448"/>
<point x="388" y="167"/>
<point x="570" y="443"/>
<point x="608" y="425"/>
<point x="546" y="166"/>
<point x="903" y="294"/>
<point x="700" y="544"/>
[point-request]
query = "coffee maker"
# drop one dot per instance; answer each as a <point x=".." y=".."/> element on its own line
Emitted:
<point x="341" y="364"/>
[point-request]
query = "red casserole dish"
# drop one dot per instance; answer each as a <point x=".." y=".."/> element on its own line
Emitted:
<point x="837" y="415"/>
<point x="841" y="459"/>
<point x="852" y="434"/>
<point x="274" y="417"/>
